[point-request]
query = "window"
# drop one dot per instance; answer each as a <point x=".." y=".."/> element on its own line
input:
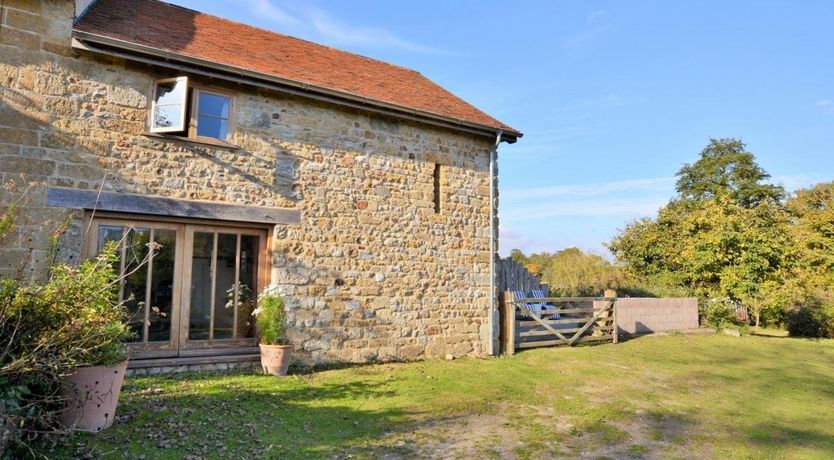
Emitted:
<point x="437" y="188"/>
<point x="190" y="111"/>
<point x="169" y="104"/>
<point x="212" y="109"/>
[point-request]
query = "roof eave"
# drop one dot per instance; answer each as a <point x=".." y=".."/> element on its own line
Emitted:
<point x="509" y="135"/>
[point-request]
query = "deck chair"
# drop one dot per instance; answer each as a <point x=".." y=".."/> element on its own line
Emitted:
<point x="539" y="294"/>
<point x="531" y="306"/>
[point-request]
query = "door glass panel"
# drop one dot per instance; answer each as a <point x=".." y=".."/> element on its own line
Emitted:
<point x="135" y="252"/>
<point x="162" y="286"/>
<point x="249" y="248"/>
<point x="224" y="298"/>
<point x="201" y="267"/>
<point x="108" y="233"/>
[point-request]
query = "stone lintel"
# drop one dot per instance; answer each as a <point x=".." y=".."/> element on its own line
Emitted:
<point x="169" y="207"/>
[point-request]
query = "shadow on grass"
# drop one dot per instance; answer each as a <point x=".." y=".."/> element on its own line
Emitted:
<point x="778" y="435"/>
<point x="241" y="416"/>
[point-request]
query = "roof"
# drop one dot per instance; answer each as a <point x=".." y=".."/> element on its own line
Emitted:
<point x="155" y="25"/>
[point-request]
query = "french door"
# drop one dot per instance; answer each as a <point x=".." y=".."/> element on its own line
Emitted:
<point x="189" y="289"/>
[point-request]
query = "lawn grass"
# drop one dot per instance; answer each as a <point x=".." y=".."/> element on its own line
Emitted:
<point x="676" y="396"/>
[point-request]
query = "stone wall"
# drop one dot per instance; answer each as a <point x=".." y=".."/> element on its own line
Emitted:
<point x="646" y="315"/>
<point x="372" y="272"/>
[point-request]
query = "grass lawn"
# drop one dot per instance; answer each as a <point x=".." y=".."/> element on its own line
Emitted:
<point x="657" y="397"/>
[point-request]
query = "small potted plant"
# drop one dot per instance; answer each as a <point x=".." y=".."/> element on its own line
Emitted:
<point x="270" y="317"/>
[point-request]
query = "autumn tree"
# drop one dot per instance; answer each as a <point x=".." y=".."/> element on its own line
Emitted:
<point x="725" y="234"/>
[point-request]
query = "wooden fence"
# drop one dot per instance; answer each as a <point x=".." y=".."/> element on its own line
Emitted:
<point x="572" y="322"/>
<point x="512" y="276"/>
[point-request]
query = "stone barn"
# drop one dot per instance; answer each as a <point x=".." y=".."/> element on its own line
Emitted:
<point x="365" y="191"/>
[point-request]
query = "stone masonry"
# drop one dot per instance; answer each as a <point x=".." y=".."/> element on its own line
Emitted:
<point x="371" y="273"/>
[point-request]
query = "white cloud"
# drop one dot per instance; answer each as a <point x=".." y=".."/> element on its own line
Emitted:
<point x="798" y="181"/>
<point x="265" y="9"/>
<point x="342" y="33"/>
<point x="825" y="105"/>
<point x="317" y="24"/>
<point x="595" y="15"/>
<point x="629" y="208"/>
<point x="664" y="185"/>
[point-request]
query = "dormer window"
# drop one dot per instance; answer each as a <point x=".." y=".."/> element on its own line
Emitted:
<point x="183" y="109"/>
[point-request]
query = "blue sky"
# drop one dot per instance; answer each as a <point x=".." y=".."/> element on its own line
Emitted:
<point x="613" y="97"/>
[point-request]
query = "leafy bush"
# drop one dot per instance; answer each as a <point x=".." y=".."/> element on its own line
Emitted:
<point x="814" y="318"/>
<point x="74" y="319"/>
<point x="718" y="312"/>
<point x="271" y="316"/>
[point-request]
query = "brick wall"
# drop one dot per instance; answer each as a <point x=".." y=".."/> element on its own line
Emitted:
<point x="646" y="315"/>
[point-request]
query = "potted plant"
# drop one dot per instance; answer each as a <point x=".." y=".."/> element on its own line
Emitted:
<point x="270" y="317"/>
<point x="99" y="321"/>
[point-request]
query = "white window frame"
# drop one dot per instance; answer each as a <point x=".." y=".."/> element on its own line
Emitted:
<point x="183" y="121"/>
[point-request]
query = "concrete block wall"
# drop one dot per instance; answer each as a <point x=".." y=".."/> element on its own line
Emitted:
<point x="646" y="315"/>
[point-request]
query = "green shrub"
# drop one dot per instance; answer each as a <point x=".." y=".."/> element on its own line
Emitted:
<point x="271" y="317"/>
<point x="47" y="329"/>
<point x="814" y="318"/>
<point x="718" y="312"/>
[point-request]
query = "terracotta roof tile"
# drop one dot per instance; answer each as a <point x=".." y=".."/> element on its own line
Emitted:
<point x="201" y="36"/>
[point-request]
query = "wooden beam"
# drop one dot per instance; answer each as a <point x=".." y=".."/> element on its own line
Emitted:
<point x="158" y="206"/>
<point x="508" y="323"/>
<point x="593" y="320"/>
<point x="550" y="343"/>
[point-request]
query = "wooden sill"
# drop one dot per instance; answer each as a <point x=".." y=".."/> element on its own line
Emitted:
<point x="202" y="140"/>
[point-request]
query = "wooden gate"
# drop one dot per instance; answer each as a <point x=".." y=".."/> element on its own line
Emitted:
<point x="531" y="323"/>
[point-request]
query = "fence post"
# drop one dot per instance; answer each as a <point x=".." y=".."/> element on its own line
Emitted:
<point x="615" y="331"/>
<point x="508" y="322"/>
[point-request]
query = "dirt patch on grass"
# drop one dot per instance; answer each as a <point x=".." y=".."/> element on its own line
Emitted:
<point x="523" y="432"/>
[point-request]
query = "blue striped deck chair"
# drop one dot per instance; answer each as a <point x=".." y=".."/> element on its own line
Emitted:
<point x="544" y="307"/>
<point x="534" y="307"/>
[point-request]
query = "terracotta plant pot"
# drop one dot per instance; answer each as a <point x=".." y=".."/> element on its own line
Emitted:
<point x="275" y="359"/>
<point x="92" y="394"/>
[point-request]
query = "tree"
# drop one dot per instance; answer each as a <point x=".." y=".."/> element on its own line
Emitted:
<point x="726" y="233"/>
<point x="518" y="256"/>
<point x="572" y="272"/>
<point x="726" y="167"/>
<point x="812" y="211"/>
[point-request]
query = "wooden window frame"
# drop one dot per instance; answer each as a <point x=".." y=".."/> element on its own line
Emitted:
<point x="188" y="132"/>
<point x="195" y="110"/>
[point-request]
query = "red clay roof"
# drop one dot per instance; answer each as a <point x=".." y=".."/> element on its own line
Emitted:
<point x="201" y="36"/>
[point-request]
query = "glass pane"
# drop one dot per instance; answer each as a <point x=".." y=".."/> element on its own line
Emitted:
<point x="171" y="92"/>
<point x="168" y="116"/>
<point x="200" y="314"/>
<point x="224" y="303"/>
<point x="248" y="286"/>
<point x="162" y="286"/>
<point x="214" y="105"/>
<point x="212" y="127"/>
<point x="136" y="250"/>
<point x="108" y="233"/>
<point x="169" y="107"/>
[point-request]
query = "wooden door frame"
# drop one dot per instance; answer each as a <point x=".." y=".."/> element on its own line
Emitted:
<point x="216" y="346"/>
<point x="178" y="345"/>
<point x="144" y="349"/>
